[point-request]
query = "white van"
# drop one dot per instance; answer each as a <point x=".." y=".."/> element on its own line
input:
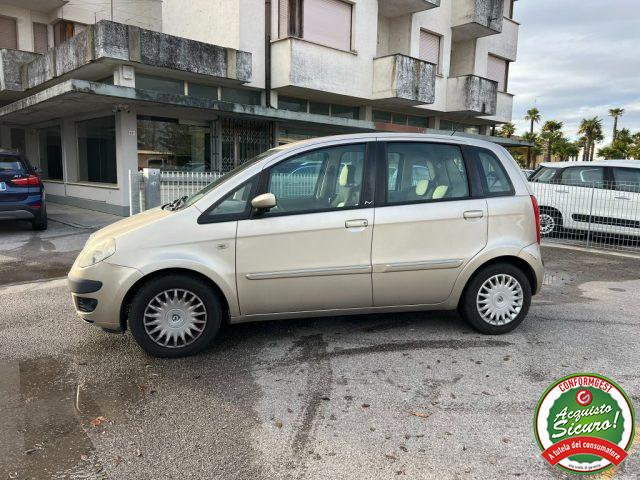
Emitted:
<point x="381" y="223"/>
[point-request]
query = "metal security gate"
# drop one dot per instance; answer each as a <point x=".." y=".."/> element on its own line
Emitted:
<point x="242" y="140"/>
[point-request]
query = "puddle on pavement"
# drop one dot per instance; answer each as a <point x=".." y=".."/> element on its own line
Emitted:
<point x="47" y="415"/>
<point x="559" y="278"/>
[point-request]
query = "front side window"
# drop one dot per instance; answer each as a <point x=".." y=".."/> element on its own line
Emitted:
<point x="492" y="174"/>
<point x="583" y="177"/>
<point x="324" y="179"/>
<point x="97" y="150"/>
<point x="419" y="172"/>
<point x="233" y="205"/>
<point x="627" y="179"/>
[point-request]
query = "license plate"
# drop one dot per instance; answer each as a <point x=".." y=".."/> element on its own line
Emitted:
<point x="3" y="186"/>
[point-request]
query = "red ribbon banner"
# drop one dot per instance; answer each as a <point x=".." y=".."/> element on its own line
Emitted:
<point x="584" y="445"/>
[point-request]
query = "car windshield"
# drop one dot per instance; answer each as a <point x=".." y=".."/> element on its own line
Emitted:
<point x="543" y="175"/>
<point x="226" y="177"/>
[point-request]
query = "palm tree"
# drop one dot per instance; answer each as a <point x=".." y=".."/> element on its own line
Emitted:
<point x="507" y="130"/>
<point x="533" y="115"/>
<point x="534" y="150"/>
<point x="591" y="129"/>
<point x="551" y="134"/>
<point x="616" y="113"/>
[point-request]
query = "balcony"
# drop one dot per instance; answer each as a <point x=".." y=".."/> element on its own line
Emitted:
<point x="396" y="8"/>
<point x="472" y="95"/>
<point x="402" y="80"/>
<point x="504" y="108"/>
<point x="117" y="42"/>
<point x="37" y="5"/>
<point x="11" y="62"/>
<point x="476" y="18"/>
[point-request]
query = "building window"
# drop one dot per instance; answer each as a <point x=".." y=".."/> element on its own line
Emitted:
<point x="304" y="106"/>
<point x="203" y="91"/>
<point x="319" y="108"/>
<point x="292" y="104"/>
<point x="400" y="119"/>
<point x="344" y="111"/>
<point x="160" y="84"/>
<point x="245" y="97"/>
<point x="63" y="31"/>
<point x="50" y="144"/>
<point x="167" y="144"/>
<point x="327" y="22"/>
<point x="498" y="70"/>
<point x="18" y="140"/>
<point x="430" y="48"/>
<point x="450" y="126"/>
<point x="8" y="33"/>
<point x="40" y="37"/>
<point x="97" y="150"/>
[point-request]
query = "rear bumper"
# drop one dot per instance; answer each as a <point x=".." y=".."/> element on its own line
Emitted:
<point x="22" y="210"/>
<point x="533" y="256"/>
<point x="21" y="214"/>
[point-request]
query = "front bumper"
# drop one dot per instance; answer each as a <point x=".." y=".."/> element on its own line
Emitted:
<point x="102" y="286"/>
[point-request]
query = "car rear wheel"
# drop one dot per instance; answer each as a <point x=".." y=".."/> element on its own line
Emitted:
<point x="550" y="222"/>
<point x="497" y="299"/>
<point x="40" y="223"/>
<point x="175" y="316"/>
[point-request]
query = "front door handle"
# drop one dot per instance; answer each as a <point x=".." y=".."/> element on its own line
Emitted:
<point x="562" y="191"/>
<point x="359" y="223"/>
<point x="622" y="198"/>
<point x="473" y="214"/>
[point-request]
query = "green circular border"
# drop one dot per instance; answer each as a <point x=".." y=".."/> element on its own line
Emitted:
<point x="602" y="377"/>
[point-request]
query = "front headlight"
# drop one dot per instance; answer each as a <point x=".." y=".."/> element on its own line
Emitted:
<point x="97" y="253"/>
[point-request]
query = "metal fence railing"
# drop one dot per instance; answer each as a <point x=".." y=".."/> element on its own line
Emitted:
<point x="591" y="214"/>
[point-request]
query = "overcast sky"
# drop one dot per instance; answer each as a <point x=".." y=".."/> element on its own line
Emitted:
<point x="577" y="59"/>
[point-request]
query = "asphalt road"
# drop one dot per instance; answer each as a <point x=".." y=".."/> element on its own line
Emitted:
<point x="417" y="395"/>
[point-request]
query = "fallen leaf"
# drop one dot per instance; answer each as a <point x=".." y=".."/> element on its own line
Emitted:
<point x="365" y="405"/>
<point x="96" y="422"/>
<point x="419" y="414"/>
<point x="279" y="423"/>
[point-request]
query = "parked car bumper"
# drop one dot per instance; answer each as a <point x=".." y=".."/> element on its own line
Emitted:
<point x="533" y="256"/>
<point x="98" y="292"/>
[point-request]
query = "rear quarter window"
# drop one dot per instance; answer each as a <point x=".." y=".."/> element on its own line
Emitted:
<point x="493" y="176"/>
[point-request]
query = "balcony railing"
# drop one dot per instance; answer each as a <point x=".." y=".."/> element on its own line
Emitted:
<point x="402" y="80"/>
<point x="396" y="8"/>
<point x="470" y="94"/>
<point x="477" y="18"/>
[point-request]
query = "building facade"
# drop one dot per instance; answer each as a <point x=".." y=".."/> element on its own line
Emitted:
<point x="91" y="90"/>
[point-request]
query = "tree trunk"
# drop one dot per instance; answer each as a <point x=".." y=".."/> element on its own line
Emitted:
<point x="585" y="151"/>
<point x="615" y="127"/>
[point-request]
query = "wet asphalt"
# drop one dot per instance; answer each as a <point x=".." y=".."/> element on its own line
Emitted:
<point x="417" y="395"/>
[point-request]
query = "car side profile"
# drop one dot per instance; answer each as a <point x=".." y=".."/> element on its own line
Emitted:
<point x="22" y="195"/>
<point x="382" y="223"/>
<point x="600" y="196"/>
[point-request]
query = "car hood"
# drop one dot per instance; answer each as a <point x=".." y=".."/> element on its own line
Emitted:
<point x="130" y="224"/>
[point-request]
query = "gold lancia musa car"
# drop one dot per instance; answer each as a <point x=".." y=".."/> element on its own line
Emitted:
<point x="340" y="225"/>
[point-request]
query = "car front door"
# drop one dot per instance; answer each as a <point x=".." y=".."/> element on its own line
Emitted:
<point x="311" y="252"/>
<point x="427" y="226"/>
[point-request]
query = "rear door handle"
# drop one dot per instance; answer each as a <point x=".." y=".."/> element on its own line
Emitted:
<point x="562" y="191"/>
<point x="473" y="214"/>
<point x="359" y="223"/>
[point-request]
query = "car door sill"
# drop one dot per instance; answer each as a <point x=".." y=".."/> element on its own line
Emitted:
<point x="311" y="272"/>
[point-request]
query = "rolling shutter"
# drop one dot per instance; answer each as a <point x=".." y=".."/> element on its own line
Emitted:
<point x="8" y="33"/>
<point x="328" y="22"/>
<point x="283" y="19"/>
<point x="429" y="47"/>
<point x="497" y="71"/>
<point x="40" y="38"/>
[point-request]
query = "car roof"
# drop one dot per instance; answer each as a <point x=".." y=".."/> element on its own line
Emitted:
<point x="596" y="163"/>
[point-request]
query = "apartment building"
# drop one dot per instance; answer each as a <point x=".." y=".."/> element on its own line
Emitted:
<point x="93" y="89"/>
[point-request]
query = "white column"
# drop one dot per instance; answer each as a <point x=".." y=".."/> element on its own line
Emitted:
<point x="69" y="151"/>
<point x="126" y="151"/>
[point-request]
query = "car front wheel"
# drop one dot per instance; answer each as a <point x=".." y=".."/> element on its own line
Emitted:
<point x="496" y="299"/>
<point x="175" y="316"/>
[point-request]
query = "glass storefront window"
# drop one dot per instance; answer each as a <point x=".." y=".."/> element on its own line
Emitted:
<point x="97" y="150"/>
<point x="169" y="145"/>
<point x="160" y="84"/>
<point x="50" y="144"/>
<point x="344" y="111"/>
<point x="245" y="97"/>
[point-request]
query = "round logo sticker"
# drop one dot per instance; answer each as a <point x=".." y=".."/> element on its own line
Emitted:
<point x="584" y="423"/>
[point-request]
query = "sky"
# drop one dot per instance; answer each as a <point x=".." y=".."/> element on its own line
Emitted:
<point x="577" y="59"/>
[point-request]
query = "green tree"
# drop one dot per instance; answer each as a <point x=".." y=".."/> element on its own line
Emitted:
<point x="616" y="113"/>
<point x="591" y="130"/>
<point x="536" y="149"/>
<point x="507" y="130"/>
<point x="565" y="149"/>
<point x="551" y="134"/>
<point x="533" y="116"/>
<point x="620" y="147"/>
<point x="634" y="148"/>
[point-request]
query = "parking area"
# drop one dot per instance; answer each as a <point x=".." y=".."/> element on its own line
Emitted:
<point x="418" y="395"/>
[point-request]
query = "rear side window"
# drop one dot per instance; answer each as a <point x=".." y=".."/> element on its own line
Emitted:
<point x="418" y="172"/>
<point x="583" y="177"/>
<point x="627" y="179"/>
<point x="11" y="164"/>
<point x="543" y="175"/>
<point x="493" y="176"/>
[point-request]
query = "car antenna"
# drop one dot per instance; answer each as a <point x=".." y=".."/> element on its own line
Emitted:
<point x="458" y="125"/>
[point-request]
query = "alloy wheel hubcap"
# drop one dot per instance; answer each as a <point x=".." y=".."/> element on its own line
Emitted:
<point x="500" y="299"/>
<point x="547" y="223"/>
<point x="175" y="318"/>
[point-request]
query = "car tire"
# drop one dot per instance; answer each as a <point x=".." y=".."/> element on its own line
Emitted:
<point x="550" y="222"/>
<point x="175" y="303"/>
<point x="40" y="223"/>
<point x="500" y="289"/>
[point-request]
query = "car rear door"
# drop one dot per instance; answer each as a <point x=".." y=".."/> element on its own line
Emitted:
<point x="427" y="225"/>
<point x="581" y="195"/>
<point x="625" y="205"/>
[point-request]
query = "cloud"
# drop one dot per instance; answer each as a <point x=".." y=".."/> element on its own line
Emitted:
<point x="577" y="59"/>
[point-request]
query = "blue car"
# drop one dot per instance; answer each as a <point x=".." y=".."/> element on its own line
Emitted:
<point x="22" y="194"/>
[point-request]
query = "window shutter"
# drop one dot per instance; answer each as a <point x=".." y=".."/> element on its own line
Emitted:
<point x="283" y="19"/>
<point x="40" y="38"/>
<point x="328" y="22"/>
<point x="8" y="33"/>
<point x="497" y="71"/>
<point x="429" y="47"/>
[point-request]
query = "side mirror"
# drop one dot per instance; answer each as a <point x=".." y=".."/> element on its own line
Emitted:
<point x="264" y="202"/>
